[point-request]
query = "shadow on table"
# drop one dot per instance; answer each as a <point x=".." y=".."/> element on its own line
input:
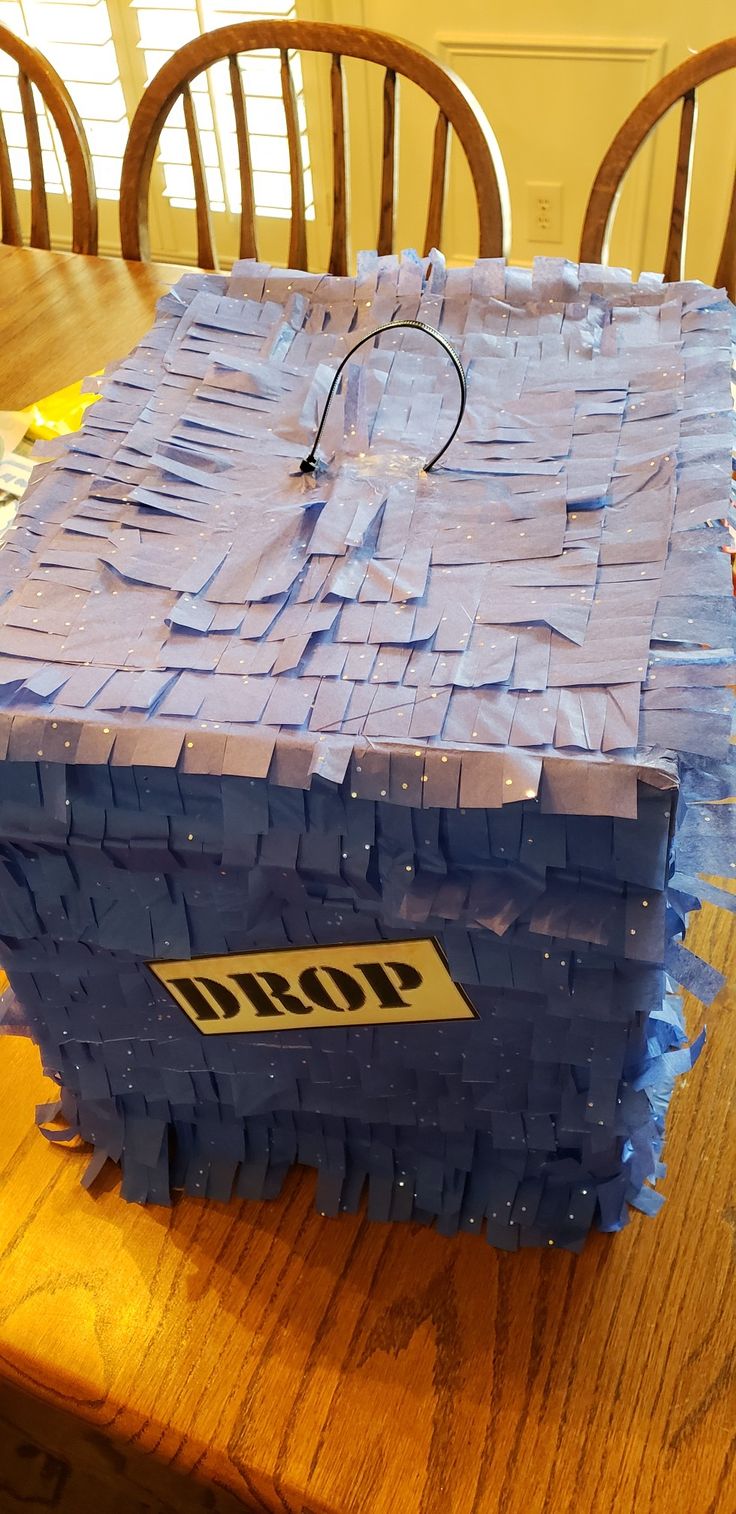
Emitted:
<point x="53" y="1460"/>
<point x="355" y="1294"/>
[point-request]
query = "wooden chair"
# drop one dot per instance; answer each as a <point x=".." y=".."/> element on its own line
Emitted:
<point x="33" y="68"/>
<point x="680" y="84"/>
<point x="457" y="109"/>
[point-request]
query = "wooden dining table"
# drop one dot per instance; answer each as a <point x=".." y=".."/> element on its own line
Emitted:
<point x="64" y="316"/>
<point x="259" y="1357"/>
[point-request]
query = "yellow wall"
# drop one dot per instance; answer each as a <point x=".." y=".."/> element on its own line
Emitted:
<point x="556" y="81"/>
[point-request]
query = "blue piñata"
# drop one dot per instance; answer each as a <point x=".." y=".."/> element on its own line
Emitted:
<point x="244" y="710"/>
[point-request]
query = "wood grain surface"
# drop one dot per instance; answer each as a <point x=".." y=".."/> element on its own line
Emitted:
<point x="257" y="1356"/>
<point x="63" y="316"/>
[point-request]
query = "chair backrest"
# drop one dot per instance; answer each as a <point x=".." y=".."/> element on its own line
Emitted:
<point x="457" y="110"/>
<point x="33" y="68"/>
<point x="680" y="84"/>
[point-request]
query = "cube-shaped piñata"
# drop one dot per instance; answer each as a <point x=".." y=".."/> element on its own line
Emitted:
<point x="343" y="817"/>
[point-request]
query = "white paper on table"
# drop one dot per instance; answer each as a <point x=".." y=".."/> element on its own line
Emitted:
<point x="13" y="426"/>
<point x="15" y="471"/>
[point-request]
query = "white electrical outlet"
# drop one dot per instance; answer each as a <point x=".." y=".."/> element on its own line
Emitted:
<point x="545" y="212"/>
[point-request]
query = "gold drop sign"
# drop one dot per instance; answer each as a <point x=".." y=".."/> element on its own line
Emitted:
<point x="386" y="982"/>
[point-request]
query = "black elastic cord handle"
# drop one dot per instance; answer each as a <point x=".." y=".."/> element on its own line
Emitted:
<point x="309" y="463"/>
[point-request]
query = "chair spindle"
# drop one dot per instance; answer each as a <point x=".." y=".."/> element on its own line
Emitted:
<point x="298" y="238"/>
<point x="390" y="171"/>
<point x="438" y="183"/>
<point x="248" y="246"/>
<point x="11" y="232"/>
<point x="677" y="238"/>
<point x="726" y="270"/>
<point x="39" y="208"/>
<point x="339" y="247"/>
<point x="206" y="256"/>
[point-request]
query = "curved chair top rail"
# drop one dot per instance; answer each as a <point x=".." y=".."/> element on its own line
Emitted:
<point x="34" y="69"/>
<point x="680" y="84"/>
<point x="458" y="110"/>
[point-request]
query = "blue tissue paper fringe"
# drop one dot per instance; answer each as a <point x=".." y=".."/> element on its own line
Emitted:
<point x="542" y="1118"/>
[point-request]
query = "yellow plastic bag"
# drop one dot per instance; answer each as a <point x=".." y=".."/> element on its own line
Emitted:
<point x="60" y="413"/>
